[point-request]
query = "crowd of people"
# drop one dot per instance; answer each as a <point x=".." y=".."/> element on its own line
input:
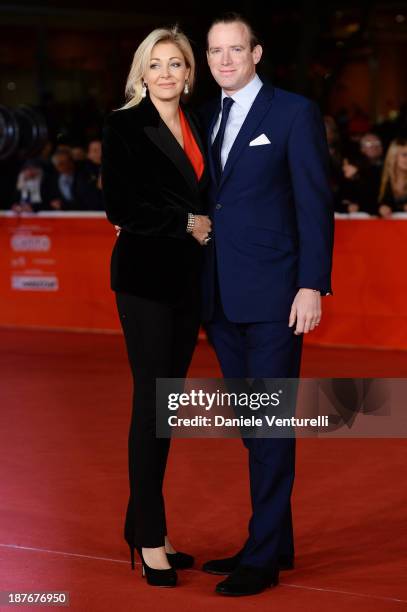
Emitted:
<point x="366" y="177"/>
<point x="67" y="178"/>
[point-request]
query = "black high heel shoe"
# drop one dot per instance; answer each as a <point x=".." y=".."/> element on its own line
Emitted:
<point x="154" y="577"/>
<point x="180" y="560"/>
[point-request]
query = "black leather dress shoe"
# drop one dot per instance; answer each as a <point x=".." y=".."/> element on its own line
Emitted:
<point x="247" y="581"/>
<point x="285" y="563"/>
<point x="224" y="567"/>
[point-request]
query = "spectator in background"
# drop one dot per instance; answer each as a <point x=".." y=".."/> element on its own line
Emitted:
<point x="44" y="157"/>
<point x="67" y="188"/>
<point x="28" y="189"/>
<point x="393" y="188"/>
<point x="94" y="155"/>
<point x="63" y="147"/>
<point x="372" y="148"/>
<point x="78" y="153"/>
<point x="91" y="167"/>
<point x="355" y="193"/>
<point x="93" y="160"/>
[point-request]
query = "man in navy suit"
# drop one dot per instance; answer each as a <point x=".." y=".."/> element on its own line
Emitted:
<point x="266" y="268"/>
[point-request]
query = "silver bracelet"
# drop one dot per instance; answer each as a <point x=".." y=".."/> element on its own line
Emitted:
<point x="191" y="223"/>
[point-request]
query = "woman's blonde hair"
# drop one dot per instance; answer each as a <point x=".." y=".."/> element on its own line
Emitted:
<point x="134" y="84"/>
<point x="390" y="166"/>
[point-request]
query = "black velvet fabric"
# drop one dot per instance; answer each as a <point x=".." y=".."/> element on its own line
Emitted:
<point x="149" y="186"/>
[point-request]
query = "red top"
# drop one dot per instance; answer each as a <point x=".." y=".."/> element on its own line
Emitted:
<point x="191" y="148"/>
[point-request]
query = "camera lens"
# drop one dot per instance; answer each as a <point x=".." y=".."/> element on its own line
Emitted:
<point x="9" y="133"/>
<point x="23" y="131"/>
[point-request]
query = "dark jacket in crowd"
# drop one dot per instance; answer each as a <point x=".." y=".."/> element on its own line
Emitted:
<point x="94" y="195"/>
<point x="82" y="196"/>
<point x="359" y="190"/>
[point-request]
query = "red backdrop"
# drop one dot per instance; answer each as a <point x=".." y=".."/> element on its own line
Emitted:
<point x="55" y="274"/>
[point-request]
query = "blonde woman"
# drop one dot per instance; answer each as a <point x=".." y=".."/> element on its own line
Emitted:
<point x="154" y="177"/>
<point x="393" y="189"/>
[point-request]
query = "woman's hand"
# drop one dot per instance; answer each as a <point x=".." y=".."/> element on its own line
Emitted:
<point x="385" y="211"/>
<point x="202" y="228"/>
<point x="22" y="207"/>
<point x="56" y="204"/>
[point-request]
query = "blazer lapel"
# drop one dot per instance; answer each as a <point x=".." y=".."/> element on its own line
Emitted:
<point x="163" y="138"/>
<point x="260" y="107"/>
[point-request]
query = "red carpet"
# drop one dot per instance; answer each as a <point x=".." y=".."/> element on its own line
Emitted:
<point x="64" y="416"/>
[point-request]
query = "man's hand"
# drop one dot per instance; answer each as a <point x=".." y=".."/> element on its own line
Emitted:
<point x="306" y="311"/>
<point x="202" y="228"/>
<point x="118" y="229"/>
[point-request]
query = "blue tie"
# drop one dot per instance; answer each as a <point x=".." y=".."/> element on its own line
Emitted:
<point x="217" y="143"/>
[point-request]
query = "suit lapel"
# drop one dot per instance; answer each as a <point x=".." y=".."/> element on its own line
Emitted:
<point x="260" y="107"/>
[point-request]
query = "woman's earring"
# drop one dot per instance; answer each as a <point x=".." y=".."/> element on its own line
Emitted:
<point x="144" y="90"/>
<point x="186" y="87"/>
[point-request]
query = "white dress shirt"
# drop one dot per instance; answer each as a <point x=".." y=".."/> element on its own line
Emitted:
<point x="65" y="184"/>
<point x="244" y="99"/>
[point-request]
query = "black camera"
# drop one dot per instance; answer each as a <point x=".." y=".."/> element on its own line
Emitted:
<point x="23" y="132"/>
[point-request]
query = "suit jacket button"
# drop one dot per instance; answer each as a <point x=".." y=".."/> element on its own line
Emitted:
<point x="218" y="206"/>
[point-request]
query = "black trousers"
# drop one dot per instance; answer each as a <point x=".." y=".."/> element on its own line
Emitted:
<point x="160" y="341"/>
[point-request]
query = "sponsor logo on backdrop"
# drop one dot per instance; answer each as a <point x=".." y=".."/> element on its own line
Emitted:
<point x="28" y="242"/>
<point x="34" y="283"/>
<point x="19" y="261"/>
<point x="33" y="256"/>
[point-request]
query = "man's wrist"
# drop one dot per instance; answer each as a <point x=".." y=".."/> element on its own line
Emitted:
<point x="311" y="289"/>
<point x="321" y="293"/>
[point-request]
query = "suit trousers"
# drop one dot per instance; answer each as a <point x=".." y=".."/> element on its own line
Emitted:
<point x="160" y="340"/>
<point x="262" y="350"/>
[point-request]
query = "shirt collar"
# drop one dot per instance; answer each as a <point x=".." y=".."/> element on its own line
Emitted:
<point x="246" y="96"/>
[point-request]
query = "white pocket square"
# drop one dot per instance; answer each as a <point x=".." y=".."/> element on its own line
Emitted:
<point x="260" y="140"/>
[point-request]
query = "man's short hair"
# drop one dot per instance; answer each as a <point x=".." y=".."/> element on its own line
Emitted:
<point x="232" y="17"/>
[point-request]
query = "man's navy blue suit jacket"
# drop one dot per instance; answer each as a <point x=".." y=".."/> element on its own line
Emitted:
<point x="272" y="211"/>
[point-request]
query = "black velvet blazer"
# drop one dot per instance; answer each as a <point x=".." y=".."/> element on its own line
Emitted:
<point x="149" y="187"/>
